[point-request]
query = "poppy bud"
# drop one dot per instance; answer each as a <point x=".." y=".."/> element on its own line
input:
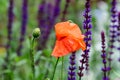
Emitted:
<point x="36" y="33"/>
<point x="70" y="21"/>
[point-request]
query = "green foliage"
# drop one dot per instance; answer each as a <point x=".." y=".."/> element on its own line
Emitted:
<point x="19" y="66"/>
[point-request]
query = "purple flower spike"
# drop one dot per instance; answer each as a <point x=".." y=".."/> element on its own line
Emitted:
<point x="42" y="22"/>
<point x="72" y="67"/>
<point x="87" y="27"/>
<point x="118" y="35"/>
<point x="10" y="21"/>
<point x="9" y="29"/>
<point x="41" y="17"/>
<point x="105" y="69"/>
<point x="23" y="25"/>
<point x="57" y="8"/>
<point x="47" y="16"/>
<point x="113" y="32"/>
<point x="51" y="19"/>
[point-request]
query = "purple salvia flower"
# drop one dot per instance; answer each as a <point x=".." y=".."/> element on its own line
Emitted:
<point x="88" y="33"/>
<point x="87" y="26"/>
<point x="42" y="23"/>
<point x="55" y="14"/>
<point x="41" y="15"/>
<point x="118" y="35"/>
<point x="81" y="68"/>
<point x="9" y="36"/>
<point x="49" y="21"/>
<point x="113" y="29"/>
<point x="104" y="57"/>
<point x="10" y="21"/>
<point x="47" y="26"/>
<point x="9" y="27"/>
<point x="65" y="10"/>
<point x="49" y="9"/>
<point x="105" y="78"/>
<point x="56" y="11"/>
<point x="23" y="25"/>
<point x="72" y="68"/>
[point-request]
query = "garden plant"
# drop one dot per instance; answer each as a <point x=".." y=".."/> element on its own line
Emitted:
<point x="59" y="39"/>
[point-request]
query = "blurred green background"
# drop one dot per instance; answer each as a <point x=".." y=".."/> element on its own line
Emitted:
<point x="20" y="65"/>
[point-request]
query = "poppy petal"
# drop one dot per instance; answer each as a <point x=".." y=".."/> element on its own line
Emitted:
<point x="82" y="45"/>
<point x="71" y="44"/>
<point x="61" y="30"/>
<point x="75" y="31"/>
<point x="69" y="39"/>
<point x="59" y="49"/>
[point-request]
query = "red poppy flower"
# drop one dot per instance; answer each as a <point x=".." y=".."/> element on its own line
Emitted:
<point x="69" y="39"/>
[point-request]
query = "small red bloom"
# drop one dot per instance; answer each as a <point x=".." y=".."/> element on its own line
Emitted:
<point x="69" y="39"/>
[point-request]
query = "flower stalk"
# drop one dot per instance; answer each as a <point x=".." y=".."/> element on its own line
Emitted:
<point x="72" y="67"/>
<point x="104" y="57"/>
<point x="88" y="37"/>
<point x="62" y="68"/>
<point x="55" y="69"/>
<point x="7" y="65"/>
<point x="36" y="34"/>
<point x="118" y="35"/>
<point x="46" y="23"/>
<point x="10" y="22"/>
<point x="32" y="58"/>
<point x="113" y="28"/>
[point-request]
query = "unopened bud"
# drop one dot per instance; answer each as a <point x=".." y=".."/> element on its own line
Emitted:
<point x="36" y="33"/>
<point x="70" y="21"/>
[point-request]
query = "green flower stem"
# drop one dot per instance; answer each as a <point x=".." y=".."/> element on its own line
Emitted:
<point x="55" y="69"/>
<point x="8" y="66"/>
<point x="32" y="58"/>
<point x="79" y="78"/>
<point x="62" y="68"/>
<point x="36" y="33"/>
